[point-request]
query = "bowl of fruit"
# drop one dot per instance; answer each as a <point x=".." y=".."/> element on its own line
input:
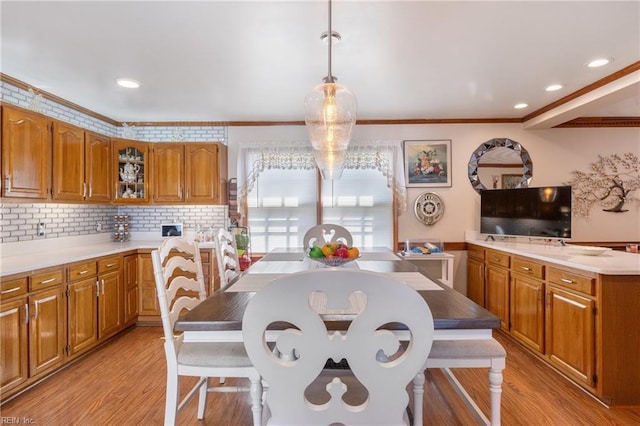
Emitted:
<point x="333" y="254"/>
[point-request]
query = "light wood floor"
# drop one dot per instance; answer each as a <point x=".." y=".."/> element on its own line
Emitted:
<point x="123" y="383"/>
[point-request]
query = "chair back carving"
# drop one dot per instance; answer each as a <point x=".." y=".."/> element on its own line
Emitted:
<point x="179" y="278"/>
<point x="227" y="257"/>
<point x="326" y="233"/>
<point x="380" y="360"/>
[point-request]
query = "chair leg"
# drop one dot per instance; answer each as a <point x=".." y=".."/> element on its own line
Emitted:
<point x="418" y="398"/>
<point x="495" y="390"/>
<point x="256" y="400"/>
<point x="171" y="403"/>
<point x="202" y="398"/>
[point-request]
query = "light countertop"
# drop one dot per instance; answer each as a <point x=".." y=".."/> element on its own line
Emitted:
<point x="31" y="255"/>
<point x="609" y="263"/>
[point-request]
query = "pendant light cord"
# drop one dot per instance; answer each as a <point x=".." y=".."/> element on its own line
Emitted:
<point x="329" y="78"/>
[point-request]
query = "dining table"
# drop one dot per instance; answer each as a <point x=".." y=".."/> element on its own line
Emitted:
<point x="218" y="318"/>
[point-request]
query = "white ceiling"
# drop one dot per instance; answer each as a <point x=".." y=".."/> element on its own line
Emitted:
<point x="256" y="61"/>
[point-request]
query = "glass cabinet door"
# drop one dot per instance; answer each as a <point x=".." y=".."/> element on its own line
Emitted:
<point x="131" y="174"/>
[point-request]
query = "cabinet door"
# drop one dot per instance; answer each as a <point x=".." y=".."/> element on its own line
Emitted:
<point x="570" y="332"/>
<point x="47" y="336"/>
<point x="497" y="296"/>
<point x="475" y="281"/>
<point x="527" y="311"/>
<point x="82" y="315"/>
<point x="130" y="289"/>
<point x="14" y="366"/>
<point x="98" y="167"/>
<point x="203" y="177"/>
<point x="26" y="148"/>
<point x="68" y="162"/>
<point x="131" y="171"/>
<point x="110" y="306"/>
<point x="168" y="173"/>
<point x="147" y="286"/>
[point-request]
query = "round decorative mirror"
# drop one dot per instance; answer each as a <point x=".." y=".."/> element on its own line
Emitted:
<point x="500" y="163"/>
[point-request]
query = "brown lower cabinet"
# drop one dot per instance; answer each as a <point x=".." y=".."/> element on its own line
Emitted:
<point x="32" y="324"/>
<point x="582" y="323"/>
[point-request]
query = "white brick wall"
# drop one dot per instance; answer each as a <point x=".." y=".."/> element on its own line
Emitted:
<point x="149" y="218"/>
<point x="19" y="221"/>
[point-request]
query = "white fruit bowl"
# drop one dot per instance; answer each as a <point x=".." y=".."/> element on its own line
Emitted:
<point x="587" y="250"/>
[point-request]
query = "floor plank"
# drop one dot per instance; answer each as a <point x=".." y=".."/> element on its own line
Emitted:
<point x="123" y="383"/>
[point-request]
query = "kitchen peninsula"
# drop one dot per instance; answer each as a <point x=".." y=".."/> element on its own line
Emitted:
<point x="578" y="313"/>
<point x="61" y="298"/>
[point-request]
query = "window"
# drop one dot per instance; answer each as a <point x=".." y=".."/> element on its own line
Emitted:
<point x="279" y="183"/>
<point x="281" y="207"/>
<point x="361" y="202"/>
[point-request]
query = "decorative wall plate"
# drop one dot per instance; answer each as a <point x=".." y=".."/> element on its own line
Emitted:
<point x="428" y="208"/>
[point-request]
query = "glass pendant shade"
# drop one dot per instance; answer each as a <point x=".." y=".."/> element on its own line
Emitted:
<point x="330" y="163"/>
<point x="330" y="114"/>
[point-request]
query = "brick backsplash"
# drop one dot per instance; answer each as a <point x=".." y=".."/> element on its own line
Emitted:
<point x="19" y="221"/>
<point x="149" y="218"/>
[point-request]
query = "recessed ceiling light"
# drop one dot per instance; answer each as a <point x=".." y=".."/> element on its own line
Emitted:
<point x="128" y="83"/>
<point x="598" y="62"/>
<point x="520" y="106"/>
<point x="553" y="87"/>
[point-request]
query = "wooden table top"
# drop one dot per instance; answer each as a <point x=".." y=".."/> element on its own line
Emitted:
<point x="223" y="310"/>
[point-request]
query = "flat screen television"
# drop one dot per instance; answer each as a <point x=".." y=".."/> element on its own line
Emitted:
<point x="531" y="212"/>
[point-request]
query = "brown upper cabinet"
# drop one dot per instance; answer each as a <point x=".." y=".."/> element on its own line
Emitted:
<point x="81" y="169"/>
<point x="193" y="173"/>
<point x="26" y="153"/>
<point x="131" y="171"/>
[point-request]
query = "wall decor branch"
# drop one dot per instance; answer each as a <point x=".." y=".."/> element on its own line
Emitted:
<point x="611" y="182"/>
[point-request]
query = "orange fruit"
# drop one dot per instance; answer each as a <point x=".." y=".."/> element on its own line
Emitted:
<point x="353" y="252"/>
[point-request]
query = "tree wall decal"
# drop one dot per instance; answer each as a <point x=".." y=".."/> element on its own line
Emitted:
<point x="611" y="182"/>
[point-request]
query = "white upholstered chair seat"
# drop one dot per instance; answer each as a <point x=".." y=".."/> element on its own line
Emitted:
<point x="215" y="355"/>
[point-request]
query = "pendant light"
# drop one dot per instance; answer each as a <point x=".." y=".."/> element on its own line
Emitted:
<point x="330" y="113"/>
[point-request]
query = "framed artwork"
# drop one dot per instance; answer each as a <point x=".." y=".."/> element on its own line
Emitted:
<point x="510" y="181"/>
<point x="427" y="163"/>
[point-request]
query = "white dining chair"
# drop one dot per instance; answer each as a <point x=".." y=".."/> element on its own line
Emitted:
<point x="301" y="391"/>
<point x="180" y="286"/>
<point x="326" y="233"/>
<point x="227" y="257"/>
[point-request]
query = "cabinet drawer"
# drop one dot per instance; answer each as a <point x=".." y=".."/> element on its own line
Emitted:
<point x="571" y="281"/>
<point x="82" y="270"/>
<point x="13" y="287"/>
<point x="109" y="264"/>
<point x="498" y="258"/>
<point x="528" y="267"/>
<point x="44" y="279"/>
<point x="476" y="252"/>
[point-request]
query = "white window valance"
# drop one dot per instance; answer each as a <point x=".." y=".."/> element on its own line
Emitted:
<point x="384" y="156"/>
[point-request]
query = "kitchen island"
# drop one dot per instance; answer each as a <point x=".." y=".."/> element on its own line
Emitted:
<point x="578" y="313"/>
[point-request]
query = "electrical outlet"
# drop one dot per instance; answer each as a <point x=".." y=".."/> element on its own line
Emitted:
<point x="98" y="227"/>
<point x="41" y="229"/>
